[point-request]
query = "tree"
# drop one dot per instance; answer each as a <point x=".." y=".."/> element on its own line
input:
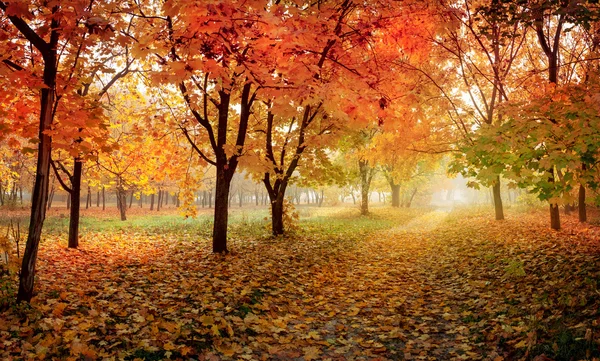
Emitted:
<point x="485" y="41"/>
<point x="550" y="20"/>
<point x="90" y="134"/>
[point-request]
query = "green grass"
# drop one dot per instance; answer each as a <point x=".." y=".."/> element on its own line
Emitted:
<point x="315" y="222"/>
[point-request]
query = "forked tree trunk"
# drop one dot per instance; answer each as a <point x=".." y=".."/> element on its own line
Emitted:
<point x="498" y="208"/>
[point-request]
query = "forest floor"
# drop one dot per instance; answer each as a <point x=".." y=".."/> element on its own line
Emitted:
<point x="397" y="285"/>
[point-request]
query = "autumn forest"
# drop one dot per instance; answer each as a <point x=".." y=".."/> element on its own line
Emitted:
<point x="300" y="180"/>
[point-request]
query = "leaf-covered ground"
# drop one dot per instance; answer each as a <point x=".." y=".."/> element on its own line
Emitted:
<point x="436" y="285"/>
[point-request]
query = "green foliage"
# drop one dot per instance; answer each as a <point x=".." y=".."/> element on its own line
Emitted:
<point x="548" y="145"/>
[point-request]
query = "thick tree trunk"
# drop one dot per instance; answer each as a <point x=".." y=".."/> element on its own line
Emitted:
<point x="277" y="215"/>
<point x="395" y="195"/>
<point x="68" y="201"/>
<point x="554" y="217"/>
<point x="498" y="208"/>
<point x="581" y="206"/>
<point x="364" y="201"/>
<point x="221" y="211"/>
<point x="75" y="204"/>
<point x="152" y="202"/>
<point x="39" y="196"/>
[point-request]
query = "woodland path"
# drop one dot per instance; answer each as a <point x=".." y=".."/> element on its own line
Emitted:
<point x="445" y="286"/>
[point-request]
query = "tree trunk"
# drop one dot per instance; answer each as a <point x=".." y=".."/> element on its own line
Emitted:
<point x="221" y="211"/>
<point x="395" y="195"/>
<point x="321" y="198"/>
<point x="131" y="199"/>
<point x="103" y="199"/>
<point x="210" y="199"/>
<point x="554" y="217"/>
<point x="499" y="210"/>
<point x="241" y="198"/>
<point x="412" y="196"/>
<point x="122" y="202"/>
<point x="366" y="174"/>
<point x="554" y="210"/>
<point x="159" y="200"/>
<point x="581" y="206"/>
<point x="98" y="198"/>
<point x="88" y="199"/>
<point x="277" y="214"/>
<point x="39" y="196"/>
<point x="51" y="198"/>
<point x="152" y="202"/>
<point x="75" y="204"/>
<point x="68" y="201"/>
